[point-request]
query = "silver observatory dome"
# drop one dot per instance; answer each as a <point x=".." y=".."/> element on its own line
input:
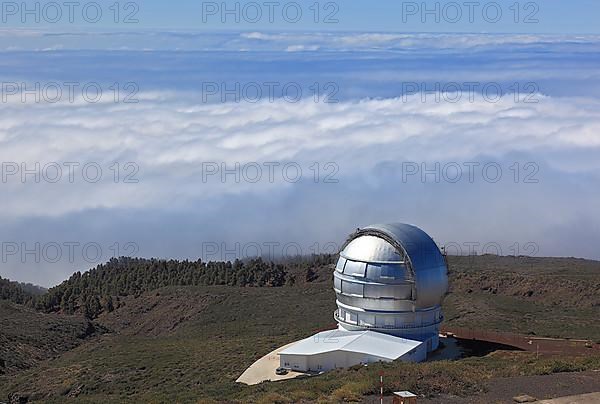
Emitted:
<point x="391" y="278"/>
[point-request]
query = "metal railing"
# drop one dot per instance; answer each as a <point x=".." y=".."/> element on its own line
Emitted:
<point x="387" y="327"/>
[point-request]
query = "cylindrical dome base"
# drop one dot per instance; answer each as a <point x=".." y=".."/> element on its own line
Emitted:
<point x="420" y="325"/>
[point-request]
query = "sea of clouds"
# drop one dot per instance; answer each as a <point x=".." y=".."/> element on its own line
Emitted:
<point x="357" y="153"/>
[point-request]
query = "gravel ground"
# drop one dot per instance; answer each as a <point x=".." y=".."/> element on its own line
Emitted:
<point x="502" y="390"/>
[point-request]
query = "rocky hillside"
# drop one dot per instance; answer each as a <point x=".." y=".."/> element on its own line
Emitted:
<point x="28" y="336"/>
<point x="565" y="282"/>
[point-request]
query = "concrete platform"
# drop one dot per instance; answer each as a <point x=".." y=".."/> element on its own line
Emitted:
<point x="264" y="369"/>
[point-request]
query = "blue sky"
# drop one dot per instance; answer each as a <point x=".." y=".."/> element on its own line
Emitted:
<point x="578" y="16"/>
<point x="504" y="16"/>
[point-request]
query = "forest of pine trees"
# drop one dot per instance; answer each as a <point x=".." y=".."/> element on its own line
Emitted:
<point x="14" y="292"/>
<point x="99" y="289"/>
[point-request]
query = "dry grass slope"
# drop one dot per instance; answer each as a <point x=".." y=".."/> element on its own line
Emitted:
<point x="189" y="344"/>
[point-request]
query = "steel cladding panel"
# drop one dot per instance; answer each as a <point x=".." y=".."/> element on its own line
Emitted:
<point x="352" y="288"/>
<point x="340" y="264"/>
<point x="388" y="291"/>
<point x="355" y="268"/>
<point x="386" y="272"/>
<point x="337" y="283"/>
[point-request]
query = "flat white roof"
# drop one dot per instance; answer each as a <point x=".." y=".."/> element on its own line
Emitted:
<point x="404" y="394"/>
<point x="366" y="342"/>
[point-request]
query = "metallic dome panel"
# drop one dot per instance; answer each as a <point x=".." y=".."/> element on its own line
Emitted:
<point x="371" y="249"/>
<point x="424" y="254"/>
<point x="425" y="259"/>
<point x="390" y="268"/>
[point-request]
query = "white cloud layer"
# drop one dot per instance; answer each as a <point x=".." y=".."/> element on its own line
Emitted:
<point x="32" y="39"/>
<point x="372" y="137"/>
<point x="170" y="136"/>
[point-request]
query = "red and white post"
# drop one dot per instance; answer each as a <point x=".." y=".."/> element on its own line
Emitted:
<point x="381" y="386"/>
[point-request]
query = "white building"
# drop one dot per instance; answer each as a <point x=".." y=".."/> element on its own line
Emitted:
<point x="339" y="349"/>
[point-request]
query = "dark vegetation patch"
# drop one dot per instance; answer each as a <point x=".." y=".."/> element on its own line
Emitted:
<point x="20" y="293"/>
<point x="101" y="289"/>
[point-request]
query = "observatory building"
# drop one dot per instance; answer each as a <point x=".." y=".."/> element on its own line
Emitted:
<point x="392" y="279"/>
<point x="389" y="281"/>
